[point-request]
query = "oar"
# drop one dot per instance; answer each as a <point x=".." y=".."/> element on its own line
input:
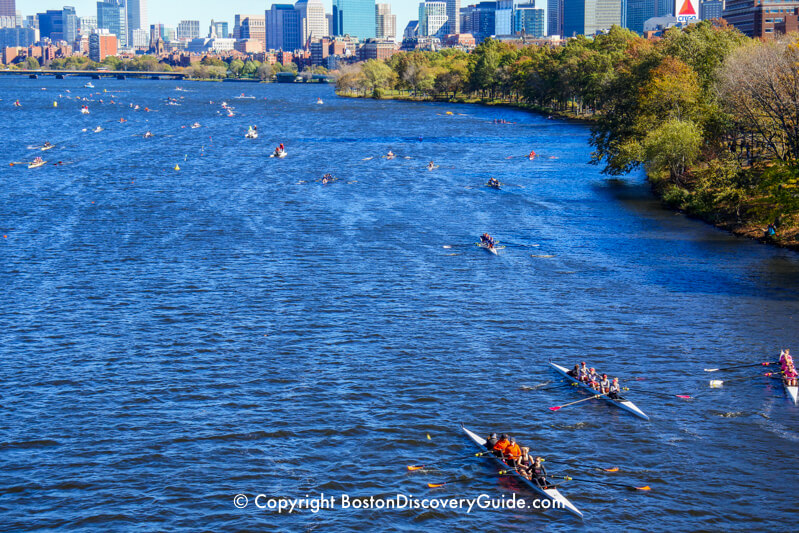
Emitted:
<point x="20" y="163"/>
<point x="569" y="478"/>
<point x="742" y="366"/>
<point x="683" y="396"/>
<point x="433" y="465"/>
<point x="716" y="383"/>
<point x="557" y="407"/>
<point x="614" y="469"/>
<point x="442" y="483"/>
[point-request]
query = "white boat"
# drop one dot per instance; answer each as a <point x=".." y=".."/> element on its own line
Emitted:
<point x="84" y="110"/>
<point x="195" y="126"/>
<point x="98" y="129"/>
<point x="549" y="493"/>
<point x="627" y="405"/>
<point x="36" y="164"/>
<point x="89" y="85"/>
<point x="793" y="392"/>
<point x="242" y="97"/>
<point x="279" y="155"/>
<point x="47" y="147"/>
<point x="319" y="101"/>
<point x="488" y="248"/>
<point x="251" y="134"/>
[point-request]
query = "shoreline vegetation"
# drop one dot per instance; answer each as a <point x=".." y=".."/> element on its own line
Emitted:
<point x="707" y="112"/>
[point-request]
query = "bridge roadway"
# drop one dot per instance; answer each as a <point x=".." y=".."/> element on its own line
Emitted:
<point x="96" y="74"/>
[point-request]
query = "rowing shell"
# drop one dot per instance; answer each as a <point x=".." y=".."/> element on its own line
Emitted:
<point x="279" y="155"/>
<point x="37" y="165"/>
<point x="45" y="148"/>
<point x="487" y="248"/>
<point x="549" y="493"/>
<point x="627" y="405"/>
<point x="793" y="392"/>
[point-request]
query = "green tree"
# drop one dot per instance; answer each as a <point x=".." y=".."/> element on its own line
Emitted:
<point x="376" y="76"/>
<point x="236" y="66"/>
<point x="265" y="72"/>
<point x="31" y="63"/>
<point x="673" y="147"/>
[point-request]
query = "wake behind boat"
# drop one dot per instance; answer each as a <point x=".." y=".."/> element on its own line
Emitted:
<point x="627" y="405"/>
<point x="549" y="493"/>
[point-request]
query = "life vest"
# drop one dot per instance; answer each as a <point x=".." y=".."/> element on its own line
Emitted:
<point x="513" y="451"/>
<point x="501" y="445"/>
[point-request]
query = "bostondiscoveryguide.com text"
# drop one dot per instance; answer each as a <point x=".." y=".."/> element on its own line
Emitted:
<point x="316" y="503"/>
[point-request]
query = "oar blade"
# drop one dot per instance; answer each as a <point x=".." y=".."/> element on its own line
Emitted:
<point x="614" y="469"/>
<point x="683" y="396"/>
<point x="712" y="369"/>
<point x="555" y="408"/>
<point x="643" y="488"/>
<point x="415" y="467"/>
<point x="435" y="485"/>
<point x="716" y="383"/>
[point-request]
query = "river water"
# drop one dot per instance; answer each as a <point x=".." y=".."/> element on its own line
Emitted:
<point x="173" y="338"/>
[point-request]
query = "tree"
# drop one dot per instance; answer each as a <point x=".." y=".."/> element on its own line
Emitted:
<point x="377" y="75"/>
<point x="674" y="146"/>
<point x="250" y="68"/>
<point x="265" y="72"/>
<point x="31" y="63"/>
<point x="236" y="66"/>
<point x="758" y="86"/>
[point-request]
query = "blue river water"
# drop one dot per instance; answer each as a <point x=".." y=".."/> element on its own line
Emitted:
<point x="173" y="338"/>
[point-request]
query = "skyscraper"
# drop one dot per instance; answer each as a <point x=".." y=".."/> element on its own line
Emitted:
<point x="503" y="23"/>
<point x="137" y="16"/>
<point x="188" y="30"/>
<point x="70" y="23"/>
<point x="312" y="19"/>
<point x="385" y="22"/>
<point x="639" y="11"/>
<point x="453" y="16"/>
<point x="554" y="17"/>
<point x="530" y="20"/>
<point x="355" y="18"/>
<point x="283" y="28"/>
<point x="250" y="27"/>
<point x="433" y="19"/>
<point x="112" y="15"/>
<point x="479" y="20"/>
<point x="51" y="24"/>
<point x="8" y="8"/>
<point x="587" y="17"/>
<point x="711" y="9"/>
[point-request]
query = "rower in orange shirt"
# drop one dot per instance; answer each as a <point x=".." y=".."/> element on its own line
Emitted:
<point x="502" y="443"/>
<point x="513" y="452"/>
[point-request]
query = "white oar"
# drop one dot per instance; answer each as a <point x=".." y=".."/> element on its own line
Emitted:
<point x="557" y="407"/>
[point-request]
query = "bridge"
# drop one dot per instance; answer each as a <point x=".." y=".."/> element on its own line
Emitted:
<point x="97" y="74"/>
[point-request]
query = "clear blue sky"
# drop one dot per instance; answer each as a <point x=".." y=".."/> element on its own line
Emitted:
<point x="170" y="12"/>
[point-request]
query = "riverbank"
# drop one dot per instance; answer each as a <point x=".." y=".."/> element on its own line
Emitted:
<point x="727" y="217"/>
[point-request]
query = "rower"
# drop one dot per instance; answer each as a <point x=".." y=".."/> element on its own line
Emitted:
<point x="431" y="165"/>
<point x="499" y="447"/>
<point x="532" y="155"/>
<point x="604" y="384"/>
<point x="390" y="155"/>
<point x="525" y="462"/>
<point x="583" y="372"/>
<point x="785" y="358"/>
<point x="512" y="452"/>
<point x="491" y="441"/>
<point x="47" y="144"/>
<point x="615" y="390"/>
<point x="539" y="472"/>
<point x="790" y="375"/>
<point x="593" y="380"/>
<point x="575" y="372"/>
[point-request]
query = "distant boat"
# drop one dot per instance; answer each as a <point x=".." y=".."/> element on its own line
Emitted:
<point x="319" y="101"/>
<point x="89" y="85"/>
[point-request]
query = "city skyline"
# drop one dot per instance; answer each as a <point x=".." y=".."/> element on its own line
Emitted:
<point x="171" y="14"/>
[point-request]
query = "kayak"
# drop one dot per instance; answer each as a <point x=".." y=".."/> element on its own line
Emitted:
<point x="627" y="405"/>
<point x="549" y="493"/>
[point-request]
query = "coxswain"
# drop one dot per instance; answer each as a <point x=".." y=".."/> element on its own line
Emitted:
<point x="513" y="452"/>
<point x="491" y="441"/>
<point x="390" y="155"/>
<point x="615" y="390"/>
<point x="431" y="165"/>
<point x="17" y="104"/>
<point x="532" y="155"/>
<point x="604" y="384"/>
<point x="148" y="135"/>
<point x="499" y="447"/>
<point x="790" y="375"/>
<point x="574" y="372"/>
